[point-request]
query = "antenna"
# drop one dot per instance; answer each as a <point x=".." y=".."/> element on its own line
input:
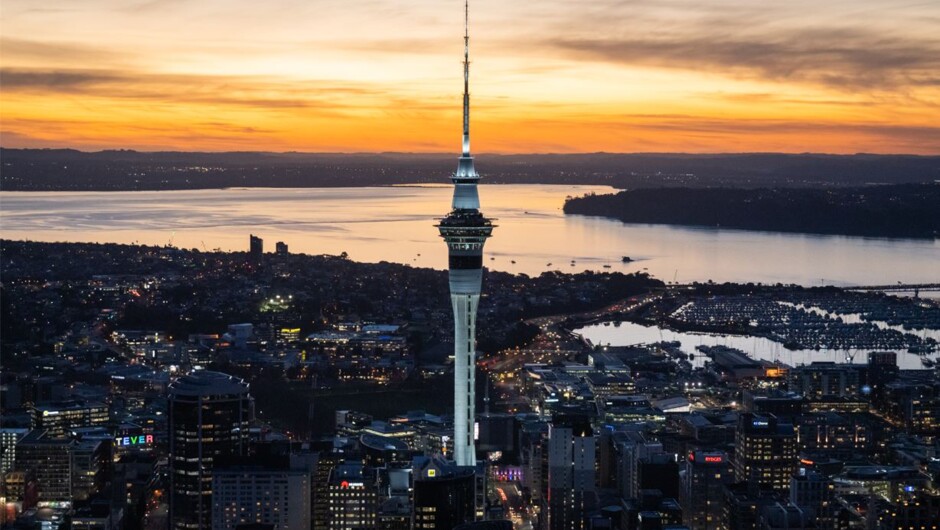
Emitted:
<point x="466" y="78"/>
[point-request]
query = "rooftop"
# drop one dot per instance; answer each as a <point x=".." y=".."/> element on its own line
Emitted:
<point x="207" y="383"/>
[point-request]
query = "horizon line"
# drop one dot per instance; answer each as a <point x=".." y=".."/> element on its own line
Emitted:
<point x="442" y="152"/>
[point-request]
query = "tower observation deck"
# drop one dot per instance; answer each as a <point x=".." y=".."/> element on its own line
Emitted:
<point x="465" y="230"/>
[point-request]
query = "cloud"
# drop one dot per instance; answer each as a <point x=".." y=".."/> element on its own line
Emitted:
<point x="54" y="53"/>
<point x="847" y="59"/>
<point x="259" y="92"/>
<point x="55" y="80"/>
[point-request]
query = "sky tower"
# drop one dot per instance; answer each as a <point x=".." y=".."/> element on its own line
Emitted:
<point x="465" y="230"/>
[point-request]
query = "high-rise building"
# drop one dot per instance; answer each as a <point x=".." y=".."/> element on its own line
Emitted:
<point x="9" y="436"/>
<point x="571" y="472"/>
<point x="765" y="452"/>
<point x="208" y="418"/>
<point x="255" y="248"/>
<point x="353" y="498"/>
<point x="813" y="492"/>
<point x="701" y="494"/>
<point x="322" y="471"/>
<point x="259" y="494"/>
<point x="49" y="460"/>
<point x="281" y="248"/>
<point x="444" y="494"/>
<point x="91" y="463"/>
<point x="631" y="449"/>
<point x="465" y="230"/>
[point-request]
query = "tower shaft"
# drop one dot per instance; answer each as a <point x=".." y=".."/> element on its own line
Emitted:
<point x="465" y="313"/>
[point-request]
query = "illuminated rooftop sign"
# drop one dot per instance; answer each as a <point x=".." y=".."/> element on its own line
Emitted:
<point x="125" y="441"/>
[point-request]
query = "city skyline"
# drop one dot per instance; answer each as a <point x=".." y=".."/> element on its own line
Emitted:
<point x="377" y="76"/>
<point x="663" y="341"/>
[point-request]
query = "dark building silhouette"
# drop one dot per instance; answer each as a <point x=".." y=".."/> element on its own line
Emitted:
<point x="255" y="248"/>
<point x="208" y="418"/>
<point x="444" y="494"/>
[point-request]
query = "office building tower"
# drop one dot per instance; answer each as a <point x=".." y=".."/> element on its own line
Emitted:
<point x="765" y="452"/>
<point x="353" y="498"/>
<point x="49" y="460"/>
<point x="91" y="464"/>
<point x="443" y="494"/>
<point x="58" y="419"/>
<point x="659" y="472"/>
<point x="819" y="379"/>
<point x="281" y="248"/>
<point x="571" y="472"/>
<point x="813" y="492"/>
<point x="323" y="470"/>
<point x="255" y="248"/>
<point x="208" y="418"/>
<point x="9" y="437"/>
<point x="465" y="230"/>
<point x="630" y="449"/>
<point x="702" y="483"/>
<point x="273" y="495"/>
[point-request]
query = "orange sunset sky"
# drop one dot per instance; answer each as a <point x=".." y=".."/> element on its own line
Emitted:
<point x="840" y="76"/>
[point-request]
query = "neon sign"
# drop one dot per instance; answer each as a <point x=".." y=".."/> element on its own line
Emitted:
<point x="144" y="439"/>
<point x="713" y="459"/>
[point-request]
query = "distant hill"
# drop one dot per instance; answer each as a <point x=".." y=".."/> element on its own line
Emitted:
<point x="66" y="169"/>
<point x="901" y="210"/>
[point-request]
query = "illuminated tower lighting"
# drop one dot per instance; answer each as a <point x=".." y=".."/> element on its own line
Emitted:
<point x="465" y="230"/>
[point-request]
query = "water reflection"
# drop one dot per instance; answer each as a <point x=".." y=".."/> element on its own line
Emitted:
<point x="629" y="333"/>
<point x="396" y="224"/>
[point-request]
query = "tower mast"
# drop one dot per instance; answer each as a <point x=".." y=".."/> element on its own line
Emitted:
<point x="466" y="78"/>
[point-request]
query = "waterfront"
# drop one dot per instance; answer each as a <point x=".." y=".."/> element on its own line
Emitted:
<point x="395" y="224"/>
<point x="629" y="334"/>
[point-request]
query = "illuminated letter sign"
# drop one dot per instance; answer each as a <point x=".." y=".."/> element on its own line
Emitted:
<point x="143" y="439"/>
<point x="713" y="459"/>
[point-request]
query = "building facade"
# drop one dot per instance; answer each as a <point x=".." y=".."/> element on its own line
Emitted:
<point x="765" y="452"/>
<point x="571" y="476"/>
<point x="208" y="417"/>
<point x="702" y="483"/>
<point x="260" y="495"/>
<point x="444" y="494"/>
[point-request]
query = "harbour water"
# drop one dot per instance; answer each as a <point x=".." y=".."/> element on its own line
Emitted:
<point x="629" y="334"/>
<point x="396" y="224"/>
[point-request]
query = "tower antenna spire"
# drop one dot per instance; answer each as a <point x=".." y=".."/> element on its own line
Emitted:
<point x="466" y="78"/>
